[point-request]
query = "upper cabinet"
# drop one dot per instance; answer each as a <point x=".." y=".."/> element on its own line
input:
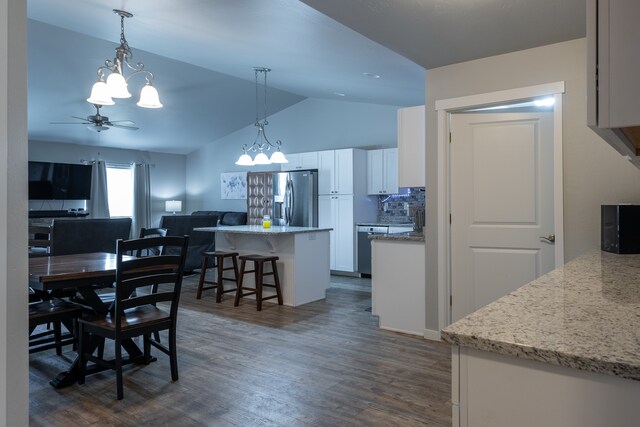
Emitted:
<point x="382" y="171"/>
<point x="613" y="93"/>
<point x="300" y="161"/>
<point x="335" y="171"/>
<point x="411" y="143"/>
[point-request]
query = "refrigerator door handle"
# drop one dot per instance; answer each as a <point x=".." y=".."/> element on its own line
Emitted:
<point x="290" y="201"/>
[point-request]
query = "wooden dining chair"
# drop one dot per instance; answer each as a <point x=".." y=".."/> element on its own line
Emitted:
<point x="55" y="312"/>
<point x="136" y="314"/>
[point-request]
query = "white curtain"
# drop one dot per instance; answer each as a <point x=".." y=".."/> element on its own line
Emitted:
<point x="141" y="198"/>
<point x="99" y="203"/>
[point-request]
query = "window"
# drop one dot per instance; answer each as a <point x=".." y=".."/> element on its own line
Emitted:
<point x="120" y="190"/>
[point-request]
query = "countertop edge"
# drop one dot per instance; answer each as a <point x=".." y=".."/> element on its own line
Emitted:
<point x="259" y="231"/>
<point x="399" y="237"/>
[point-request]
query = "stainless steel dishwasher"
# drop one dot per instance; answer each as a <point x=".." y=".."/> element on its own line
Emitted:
<point x="364" y="246"/>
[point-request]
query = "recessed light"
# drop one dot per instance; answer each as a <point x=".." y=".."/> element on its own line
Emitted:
<point x="371" y="75"/>
<point x="339" y="94"/>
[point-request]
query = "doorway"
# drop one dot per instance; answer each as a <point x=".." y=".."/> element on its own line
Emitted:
<point x="485" y="209"/>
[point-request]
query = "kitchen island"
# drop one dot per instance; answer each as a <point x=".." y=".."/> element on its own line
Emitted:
<point x="563" y="350"/>
<point x="303" y="266"/>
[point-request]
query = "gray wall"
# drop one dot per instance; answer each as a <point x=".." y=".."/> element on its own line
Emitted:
<point x="594" y="173"/>
<point x="168" y="171"/>
<point x="310" y="125"/>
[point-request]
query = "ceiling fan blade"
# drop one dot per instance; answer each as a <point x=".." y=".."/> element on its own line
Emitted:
<point x="70" y="123"/>
<point x="122" y="126"/>
<point x="84" y="119"/>
<point x="123" y="122"/>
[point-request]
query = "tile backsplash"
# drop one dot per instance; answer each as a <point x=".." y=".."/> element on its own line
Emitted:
<point x="394" y="208"/>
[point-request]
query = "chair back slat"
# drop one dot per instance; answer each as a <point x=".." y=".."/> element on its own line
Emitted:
<point x="166" y="270"/>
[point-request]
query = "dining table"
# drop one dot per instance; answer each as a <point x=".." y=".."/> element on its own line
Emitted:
<point x="84" y="274"/>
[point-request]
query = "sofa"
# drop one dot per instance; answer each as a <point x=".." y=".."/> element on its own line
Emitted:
<point x="79" y="236"/>
<point x="179" y="225"/>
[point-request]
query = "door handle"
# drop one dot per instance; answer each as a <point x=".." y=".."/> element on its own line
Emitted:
<point x="551" y="238"/>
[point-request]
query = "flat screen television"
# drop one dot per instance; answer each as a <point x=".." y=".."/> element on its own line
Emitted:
<point x="59" y="181"/>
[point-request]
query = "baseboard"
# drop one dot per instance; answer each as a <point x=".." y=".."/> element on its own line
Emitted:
<point x="432" y="335"/>
<point x="400" y="331"/>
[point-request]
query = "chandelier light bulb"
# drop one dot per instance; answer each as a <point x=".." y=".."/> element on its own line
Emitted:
<point x="244" y="160"/>
<point x="261" y="159"/>
<point x="100" y="94"/>
<point x="149" y="97"/>
<point x="117" y="86"/>
<point x="278" y="157"/>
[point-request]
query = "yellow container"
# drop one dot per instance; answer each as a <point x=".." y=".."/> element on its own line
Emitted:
<point x="266" y="221"/>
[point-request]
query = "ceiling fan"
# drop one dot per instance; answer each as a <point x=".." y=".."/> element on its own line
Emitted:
<point x="99" y="123"/>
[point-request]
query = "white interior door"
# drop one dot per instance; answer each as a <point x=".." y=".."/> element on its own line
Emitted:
<point x="501" y="204"/>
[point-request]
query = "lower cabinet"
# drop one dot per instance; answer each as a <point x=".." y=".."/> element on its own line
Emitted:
<point x="337" y="212"/>
<point x="398" y="286"/>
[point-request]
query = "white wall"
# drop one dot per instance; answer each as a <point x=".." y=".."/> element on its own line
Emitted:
<point x="310" y="125"/>
<point x="14" y="400"/>
<point x="594" y="173"/>
<point x="168" y="171"/>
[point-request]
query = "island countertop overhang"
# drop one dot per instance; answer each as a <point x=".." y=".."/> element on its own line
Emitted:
<point x="259" y="230"/>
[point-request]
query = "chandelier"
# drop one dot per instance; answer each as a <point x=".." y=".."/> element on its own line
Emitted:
<point x="261" y="143"/>
<point x="115" y="86"/>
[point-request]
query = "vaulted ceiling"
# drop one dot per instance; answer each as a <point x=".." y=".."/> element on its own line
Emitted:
<point x="202" y="53"/>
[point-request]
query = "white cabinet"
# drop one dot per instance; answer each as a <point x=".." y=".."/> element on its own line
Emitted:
<point x="382" y="171"/>
<point x="300" y="161"/>
<point x="398" y="285"/>
<point x="337" y="212"/>
<point x="613" y="111"/>
<point x="411" y="146"/>
<point x="335" y="171"/>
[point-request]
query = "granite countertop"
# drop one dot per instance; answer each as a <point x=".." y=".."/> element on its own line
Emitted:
<point x="409" y="236"/>
<point x="258" y="229"/>
<point x="584" y="315"/>
<point x="385" y="224"/>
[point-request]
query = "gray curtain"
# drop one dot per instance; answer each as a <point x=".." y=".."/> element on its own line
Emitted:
<point x="99" y="203"/>
<point x="141" y="198"/>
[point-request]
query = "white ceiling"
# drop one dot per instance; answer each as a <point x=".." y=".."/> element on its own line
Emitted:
<point x="202" y="53"/>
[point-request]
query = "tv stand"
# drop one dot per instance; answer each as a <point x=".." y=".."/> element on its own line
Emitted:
<point x="58" y="214"/>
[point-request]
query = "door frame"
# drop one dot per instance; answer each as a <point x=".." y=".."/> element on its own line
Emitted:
<point x="444" y="108"/>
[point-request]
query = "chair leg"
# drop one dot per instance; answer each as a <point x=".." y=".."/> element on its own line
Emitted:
<point x="276" y="280"/>
<point x="203" y="272"/>
<point x="147" y="348"/>
<point x="57" y="333"/>
<point x="239" y="283"/>
<point x="118" y="368"/>
<point x="173" y="356"/>
<point x="82" y="362"/>
<point x="220" y="285"/>
<point x="259" y="267"/>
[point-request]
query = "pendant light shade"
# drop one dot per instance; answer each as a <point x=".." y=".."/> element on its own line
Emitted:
<point x="117" y="86"/>
<point x="149" y="97"/>
<point x="100" y="94"/>
<point x="261" y="143"/>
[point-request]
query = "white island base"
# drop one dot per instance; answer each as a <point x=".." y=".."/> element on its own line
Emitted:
<point x="303" y="267"/>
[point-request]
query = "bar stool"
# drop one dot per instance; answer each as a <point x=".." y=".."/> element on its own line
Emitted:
<point x="258" y="269"/>
<point x="218" y="263"/>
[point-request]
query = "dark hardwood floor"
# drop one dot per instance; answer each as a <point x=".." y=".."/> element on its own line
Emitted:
<point x="321" y="364"/>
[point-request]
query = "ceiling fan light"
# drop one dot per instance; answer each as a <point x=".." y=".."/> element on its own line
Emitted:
<point x="149" y="97"/>
<point x="117" y="86"/>
<point x="100" y="94"/>
<point x="278" y="157"/>
<point x="261" y="159"/>
<point x="244" y="160"/>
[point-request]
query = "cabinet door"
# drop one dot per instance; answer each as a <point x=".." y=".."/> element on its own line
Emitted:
<point x="294" y="162"/>
<point x="411" y="143"/>
<point x="309" y="160"/>
<point x="390" y="168"/>
<point x="345" y="233"/>
<point x="343" y="171"/>
<point x="375" y="171"/>
<point x="325" y="172"/>
<point x="326" y="219"/>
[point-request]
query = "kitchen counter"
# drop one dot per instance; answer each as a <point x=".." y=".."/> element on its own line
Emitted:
<point x="584" y="315"/>
<point x="561" y="350"/>
<point x="303" y="252"/>
<point x="409" y="236"/>
<point x="385" y="224"/>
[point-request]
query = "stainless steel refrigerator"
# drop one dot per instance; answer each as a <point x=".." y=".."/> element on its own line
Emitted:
<point x="295" y="198"/>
